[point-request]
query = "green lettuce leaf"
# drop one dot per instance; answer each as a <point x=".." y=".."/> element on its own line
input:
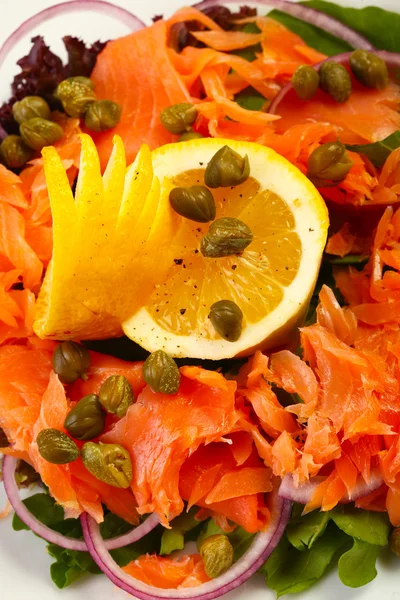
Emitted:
<point x="174" y="538"/>
<point x="378" y="152"/>
<point x="303" y="532"/>
<point x="379" y="26"/>
<point x="69" y="565"/>
<point x="250" y="99"/>
<point x="366" y="526"/>
<point x="357" y="565"/>
<point x="289" y="571"/>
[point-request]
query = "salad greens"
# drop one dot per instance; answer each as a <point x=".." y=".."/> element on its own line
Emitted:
<point x="70" y="565"/>
<point x="378" y="152"/>
<point x="379" y="26"/>
<point x="312" y="542"/>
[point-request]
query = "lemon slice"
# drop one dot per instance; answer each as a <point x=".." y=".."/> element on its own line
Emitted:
<point x="271" y="280"/>
<point x="103" y="238"/>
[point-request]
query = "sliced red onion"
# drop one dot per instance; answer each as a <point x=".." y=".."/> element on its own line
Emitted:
<point x="392" y="59"/>
<point x="304" y="13"/>
<point x="12" y="491"/>
<point x="112" y="10"/>
<point x="305" y="491"/>
<point x="263" y="545"/>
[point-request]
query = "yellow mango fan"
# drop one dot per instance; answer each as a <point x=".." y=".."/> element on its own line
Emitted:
<point x="125" y="261"/>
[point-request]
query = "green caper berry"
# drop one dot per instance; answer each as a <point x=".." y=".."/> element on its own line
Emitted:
<point x="86" y="419"/>
<point x="335" y="81"/>
<point x="226" y="169"/>
<point x="109" y="463"/>
<point x="179" y="117"/>
<point x="70" y="361"/>
<point x="102" y="115"/>
<point x="116" y="395"/>
<point x="14" y="153"/>
<point x="38" y="133"/>
<point x="217" y="554"/>
<point x="161" y="373"/>
<point x="369" y="69"/>
<point x="31" y="107"/>
<point x="4" y="443"/>
<point x="394" y="541"/>
<point x="190" y="135"/>
<point x="227" y="319"/>
<point x="305" y="82"/>
<point x="227" y="236"/>
<point x="195" y="203"/>
<point x="56" y="447"/>
<point x="329" y="162"/>
<point x="75" y="94"/>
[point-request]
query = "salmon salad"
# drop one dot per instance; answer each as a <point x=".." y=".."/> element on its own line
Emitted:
<point x="200" y="297"/>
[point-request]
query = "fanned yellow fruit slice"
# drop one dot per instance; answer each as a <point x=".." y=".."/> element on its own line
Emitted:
<point x="95" y="279"/>
<point x="271" y="280"/>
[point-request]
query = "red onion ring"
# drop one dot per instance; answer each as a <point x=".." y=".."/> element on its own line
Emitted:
<point x="304" y="492"/>
<point x="51" y="536"/>
<point x="304" y="13"/>
<point x="112" y="10"/>
<point x="391" y="58"/>
<point x="263" y="545"/>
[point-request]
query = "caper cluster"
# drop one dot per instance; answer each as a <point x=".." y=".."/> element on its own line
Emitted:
<point x="36" y="128"/>
<point x="79" y="100"/>
<point x="85" y="421"/>
<point x="334" y="79"/>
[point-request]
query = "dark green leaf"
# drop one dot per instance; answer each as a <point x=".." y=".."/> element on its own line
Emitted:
<point x="381" y="27"/>
<point x="378" y="151"/>
<point x="44" y="508"/>
<point x="63" y="575"/>
<point x="150" y="544"/>
<point x="249" y="53"/>
<point x="357" y="566"/>
<point x="174" y="538"/>
<point x="289" y="571"/>
<point x="250" y="99"/>
<point x="366" y="526"/>
<point x="313" y="36"/>
<point x="303" y="532"/>
<point x="350" y="259"/>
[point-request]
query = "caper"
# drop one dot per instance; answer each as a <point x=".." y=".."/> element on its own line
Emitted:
<point x="226" y="318"/>
<point x="394" y="541"/>
<point x="217" y="554"/>
<point x="161" y="373"/>
<point x="70" y="361"/>
<point x="226" y="168"/>
<point x="369" y="69"/>
<point x="4" y="443"/>
<point x="75" y="94"/>
<point x="335" y="81"/>
<point x="179" y="117"/>
<point x="38" y="133"/>
<point x="305" y="82"/>
<point x="226" y="236"/>
<point x="195" y="203"/>
<point x="86" y="420"/>
<point x="102" y="115"/>
<point x="14" y="152"/>
<point x="116" y="395"/>
<point x="329" y="162"/>
<point x="56" y="447"/>
<point x="31" y="107"/>
<point x="190" y="135"/>
<point x="110" y="463"/>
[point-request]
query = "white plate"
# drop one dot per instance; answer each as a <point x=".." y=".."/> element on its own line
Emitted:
<point x="24" y="564"/>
